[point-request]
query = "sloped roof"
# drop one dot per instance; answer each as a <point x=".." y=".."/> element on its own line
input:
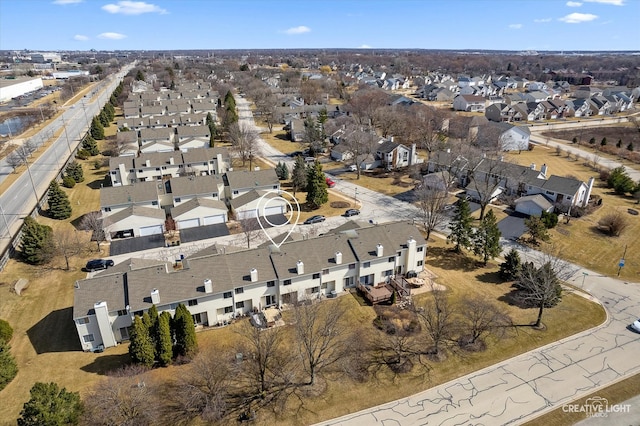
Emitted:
<point x="139" y="192"/>
<point x="195" y="203"/>
<point x="135" y="211"/>
<point x="252" y="179"/>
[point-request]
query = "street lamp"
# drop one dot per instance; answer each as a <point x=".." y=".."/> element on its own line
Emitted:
<point x="355" y="196"/>
<point x="64" y="126"/>
<point x="584" y="275"/>
<point x="6" y="224"/>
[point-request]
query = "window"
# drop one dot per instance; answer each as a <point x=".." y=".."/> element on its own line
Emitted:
<point x="157" y="168"/>
<point x="271" y="283"/>
<point x="349" y="281"/>
<point x="420" y="249"/>
<point x="323" y="286"/>
<point x="228" y="309"/>
<point x="227" y="295"/>
<point x="270" y="300"/>
<point x="132" y="170"/>
<point x="84" y="320"/>
<point x="140" y="171"/>
<point x="235" y="192"/>
<point x="193" y="302"/>
<point x="154" y="203"/>
<point x="387" y="273"/>
<point x="173" y="306"/>
<point x="239" y="290"/>
<point x="122" y="312"/>
<point x="239" y="305"/>
<point x="204" y="164"/>
<point x="315" y="276"/>
<point x="352" y="266"/>
<point x="287" y="282"/>
<point x="107" y="209"/>
<point x="419" y="263"/>
<point x="164" y="168"/>
<point x="177" y="200"/>
<point x="366" y="264"/>
<point x="325" y="272"/>
<point x="138" y="313"/>
<point x="114" y="173"/>
<point x="391" y="259"/>
<point x="88" y="338"/>
<point x="275" y="186"/>
<point x="313" y="290"/>
<point x="214" y="195"/>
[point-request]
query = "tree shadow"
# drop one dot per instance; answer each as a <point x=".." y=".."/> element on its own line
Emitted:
<point x="490" y="278"/>
<point x="54" y="333"/>
<point x="282" y="136"/>
<point x="98" y="183"/>
<point x="447" y="258"/>
<point x="104" y="364"/>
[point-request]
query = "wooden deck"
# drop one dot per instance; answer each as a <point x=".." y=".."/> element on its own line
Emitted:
<point x="376" y="294"/>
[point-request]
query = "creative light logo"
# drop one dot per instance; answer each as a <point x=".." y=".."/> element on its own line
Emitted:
<point x="276" y="198"/>
<point x="596" y="406"/>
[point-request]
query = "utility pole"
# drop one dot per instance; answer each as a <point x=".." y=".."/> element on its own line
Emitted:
<point x="64" y="126"/>
<point x="621" y="263"/>
<point x="6" y="224"/>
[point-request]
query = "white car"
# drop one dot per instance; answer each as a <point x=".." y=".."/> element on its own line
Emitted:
<point x="636" y="325"/>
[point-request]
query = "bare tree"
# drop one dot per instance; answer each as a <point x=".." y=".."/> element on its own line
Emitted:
<point x="437" y="316"/>
<point x="124" y="398"/>
<point x="486" y="177"/>
<point x="202" y="391"/>
<point x="541" y="286"/>
<point x="614" y="223"/>
<point x="319" y="334"/>
<point x="359" y="142"/>
<point x="262" y="348"/>
<point x="67" y="244"/>
<point x="251" y="230"/>
<point x="364" y="105"/>
<point x="244" y="141"/>
<point x="481" y="318"/>
<point x="432" y="201"/>
<point x="15" y="160"/>
<point x="92" y="221"/>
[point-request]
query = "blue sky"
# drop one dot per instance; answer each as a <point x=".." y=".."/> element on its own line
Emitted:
<point x="257" y="24"/>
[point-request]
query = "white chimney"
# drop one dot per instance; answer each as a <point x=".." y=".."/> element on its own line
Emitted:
<point x="254" y="275"/>
<point x="588" y="194"/>
<point x="448" y="150"/>
<point x="147" y="163"/>
<point x="338" y="258"/>
<point x="300" y="267"/>
<point x="410" y="255"/>
<point x="155" y="296"/>
<point x="208" y="286"/>
<point x="543" y="169"/>
<point x="379" y="250"/>
<point x="171" y="160"/>
<point x="532" y="166"/>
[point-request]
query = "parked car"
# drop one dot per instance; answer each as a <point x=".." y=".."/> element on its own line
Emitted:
<point x="352" y="212"/>
<point x="330" y="183"/>
<point x="353" y="168"/>
<point x="636" y="325"/>
<point x="314" y="219"/>
<point x="98" y="264"/>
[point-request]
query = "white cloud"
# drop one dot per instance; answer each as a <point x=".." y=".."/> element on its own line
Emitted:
<point x="364" y="46"/>
<point x="611" y="2"/>
<point x="574" y="4"/>
<point x="112" y="36"/>
<point x="515" y="26"/>
<point x="80" y="37"/>
<point x="133" y="8"/>
<point x="297" y="30"/>
<point x="577" y="18"/>
<point x="67" y="1"/>
<point x="539" y="21"/>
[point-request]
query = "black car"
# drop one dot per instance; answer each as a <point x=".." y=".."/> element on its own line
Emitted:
<point x="352" y="212"/>
<point x="98" y="264"/>
<point x="314" y="219"/>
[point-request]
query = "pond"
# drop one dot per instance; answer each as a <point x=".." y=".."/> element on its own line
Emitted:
<point x="14" y="126"/>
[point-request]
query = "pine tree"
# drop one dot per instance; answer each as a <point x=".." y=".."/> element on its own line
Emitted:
<point x="299" y="175"/>
<point x="619" y="143"/>
<point x="74" y="171"/>
<point x="139" y="75"/>
<point x="97" y="129"/>
<point x="59" y="204"/>
<point x="90" y="145"/>
<point x="104" y="118"/>
<point x="49" y="405"/>
<point x="184" y="332"/>
<point x="537" y="229"/>
<point x="317" y="193"/>
<point x="486" y="238"/>
<point x="8" y="366"/>
<point x="630" y="146"/>
<point x="141" y="347"/>
<point x="164" y="341"/>
<point x="460" y="226"/>
<point x="592" y="141"/>
<point x="36" y="244"/>
<point x="603" y="142"/>
<point x="510" y="268"/>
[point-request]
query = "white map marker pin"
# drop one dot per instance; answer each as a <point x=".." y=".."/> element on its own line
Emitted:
<point x="263" y="203"/>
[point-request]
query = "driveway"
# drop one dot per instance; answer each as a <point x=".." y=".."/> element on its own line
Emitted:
<point x="512" y="226"/>
<point x="203" y="232"/>
<point x="129" y="245"/>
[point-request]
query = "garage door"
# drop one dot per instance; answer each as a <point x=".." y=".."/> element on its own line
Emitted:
<point x="150" y="230"/>
<point x="189" y="223"/>
<point x="211" y="220"/>
<point x="245" y="214"/>
<point x="273" y="210"/>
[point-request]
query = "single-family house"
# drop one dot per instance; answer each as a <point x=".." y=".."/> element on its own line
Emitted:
<point x="469" y="103"/>
<point x="394" y="155"/>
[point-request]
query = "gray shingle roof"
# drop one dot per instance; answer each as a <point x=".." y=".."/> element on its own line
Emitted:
<point x="252" y="179"/>
<point x="392" y="236"/>
<point x="197" y="202"/>
<point x="196" y="185"/>
<point x="249" y="197"/>
<point x="140" y="192"/>
<point x="135" y="211"/>
<point x="562" y="185"/>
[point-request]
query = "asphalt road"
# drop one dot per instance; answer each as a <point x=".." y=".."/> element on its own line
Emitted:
<point x="22" y="196"/>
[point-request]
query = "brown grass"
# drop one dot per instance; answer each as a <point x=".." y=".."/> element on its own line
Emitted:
<point x="615" y="394"/>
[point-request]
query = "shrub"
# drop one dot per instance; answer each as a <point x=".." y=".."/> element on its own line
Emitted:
<point x="82" y="154"/>
<point x="550" y="220"/>
<point x="6" y="331"/>
<point x="613" y="224"/>
<point x="8" y="366"/>
<point x="68" y="182"/>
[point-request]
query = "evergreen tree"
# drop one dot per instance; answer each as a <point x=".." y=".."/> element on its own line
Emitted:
<point x="139" y="75"/>
<point x="213" y="130"/>
<point x="550" y="220"/>
<point x="510" y="268"/>
<point x="229" y="101"/>
<point x="36" y="244"/>
<point x="97" y="129"/>
<point x="110" y="111"/>
<point x="317" y="193"/>
<point x="104" y="118"/>
<point x="592" y="141"/>
<point x="282" y="171"/>
<point x="141" y="347"/>
<point x="619" y="143"/>
<point x="150" y="318"/>
<point x="90" y="145"/>
<point x="460" y="226"/>
<point x="486" y="238"/>
<point x="537" y="229"/>
<point x="74" y="171"/>
<point x="299" y="175"/>
<point x="50" y="406"/>
<point x="603" y="142"/>
<point x="184" y="332"/>
<point x="59" y="204"/>
<point x="574" y="140"/>
<point x="6" y="331"/>
<point x="68" y="182"/>
<point x="630" y="146"/>
<point x="8" y="366"/>
<point x="164" y="341"/>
